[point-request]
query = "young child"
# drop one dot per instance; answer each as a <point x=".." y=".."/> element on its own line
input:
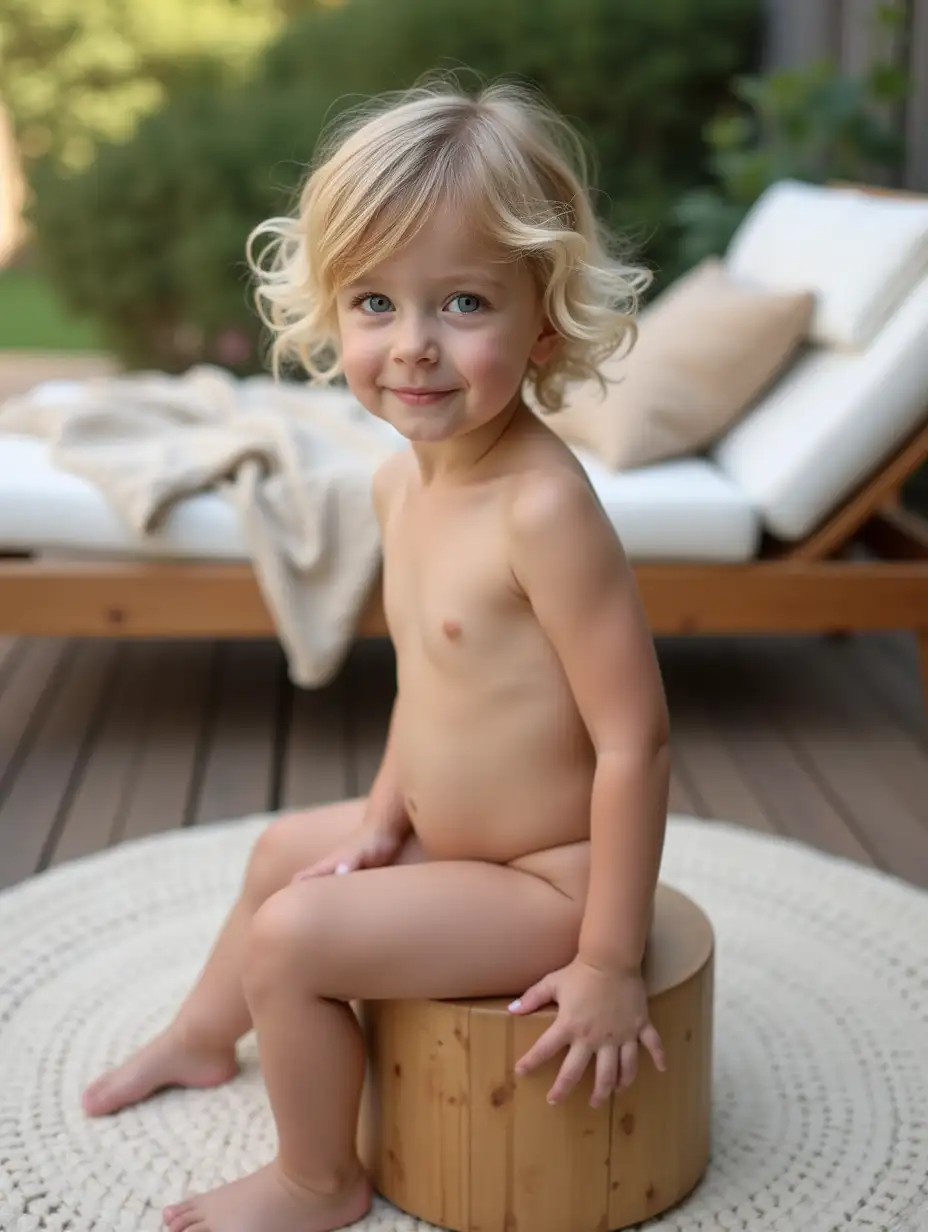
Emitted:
<point x="445" y="254"/>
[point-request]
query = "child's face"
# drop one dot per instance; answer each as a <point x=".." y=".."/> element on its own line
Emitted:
<point x="436" y="339"/>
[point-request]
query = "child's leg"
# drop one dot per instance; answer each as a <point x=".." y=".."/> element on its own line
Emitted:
<point x="436" y="930"/>
<point x="198" y="1048"/>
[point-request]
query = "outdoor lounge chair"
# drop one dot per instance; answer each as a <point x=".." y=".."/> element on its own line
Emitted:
<point x="790" y="522"/>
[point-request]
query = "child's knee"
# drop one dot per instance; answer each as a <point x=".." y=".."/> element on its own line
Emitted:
<point x="269" y="867"/>
<point x="286" y="941"/>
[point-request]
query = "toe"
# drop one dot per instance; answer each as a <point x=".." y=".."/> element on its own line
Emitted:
<point x="187" y="1218"/>
<point x="171" y="1215"/>
<point x="96" y="1098"/>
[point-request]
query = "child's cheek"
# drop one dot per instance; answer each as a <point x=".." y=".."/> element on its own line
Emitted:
<point x="361" y="359"/>
<point x="495" y="365"/>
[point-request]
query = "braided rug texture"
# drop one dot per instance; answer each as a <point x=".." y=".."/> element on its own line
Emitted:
<point x="820" y="1100"/>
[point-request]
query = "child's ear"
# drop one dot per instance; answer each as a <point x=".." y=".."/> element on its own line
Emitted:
<point x="545" y="344"/>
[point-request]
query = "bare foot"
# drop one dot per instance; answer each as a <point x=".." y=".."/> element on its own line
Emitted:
<point x="267" y="1201"/>
<point x="172" y="1058"/>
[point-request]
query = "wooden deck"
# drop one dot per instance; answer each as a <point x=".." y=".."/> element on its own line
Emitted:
<point x="101" y="742"/>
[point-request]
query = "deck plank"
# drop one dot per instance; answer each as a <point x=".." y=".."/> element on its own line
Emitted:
<point x="165" y="781"/>
<point x="721" y="788"/>
<point x="95" y="816"/>
<point x="700" y="694"/>
<point x="720" y="677"/>
<point x="25" y="689"/>
<point x="821" y="740"/>
<point x="895" y="755"/>
<point x="682" y="798"/>
<point x="317" y="764"/>
<point x="799" y="801"/>
<point x="840" y="750"/>
<point x="240" y="764"/>
<point x="38" y="797"/>
<point x="888" y="665"/>
<point x="371" y="682"/>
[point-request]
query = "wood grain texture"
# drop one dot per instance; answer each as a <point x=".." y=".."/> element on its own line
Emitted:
<point x="452" y="1137"/>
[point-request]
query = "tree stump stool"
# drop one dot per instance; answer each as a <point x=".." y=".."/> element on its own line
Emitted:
<point x="451" y="1136"/>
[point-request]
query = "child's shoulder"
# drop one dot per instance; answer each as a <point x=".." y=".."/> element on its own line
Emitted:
<point x="548" y="484"/>
<point x="553" y="511"/>
<point x="545" y="497"/>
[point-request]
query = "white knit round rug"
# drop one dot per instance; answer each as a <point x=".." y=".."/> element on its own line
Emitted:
<point x="821" y="1052"/>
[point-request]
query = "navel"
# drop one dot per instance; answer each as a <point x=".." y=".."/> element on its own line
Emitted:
<point x="451" y="629"/>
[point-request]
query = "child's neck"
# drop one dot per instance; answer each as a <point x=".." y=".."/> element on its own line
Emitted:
<point x="465" y="457"/>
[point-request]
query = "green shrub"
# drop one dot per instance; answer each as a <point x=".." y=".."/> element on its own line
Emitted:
<point x="75" y="71"/>
<point x="150" y="239"/>
<point x="813" y="123"/>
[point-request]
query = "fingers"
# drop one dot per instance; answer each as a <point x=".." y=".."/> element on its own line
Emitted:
<point x="628" y="1061"/>
<point x="544" y="1048"/>
<point x="570" y="1073"/>
<point x="323" y="868"/>
<point x="314" y="870"/>
<point x="538" y="995"/>
<point x="607" y="1075"/>
<point x="652" y="1041"/>
<point x="616" y="1067"/>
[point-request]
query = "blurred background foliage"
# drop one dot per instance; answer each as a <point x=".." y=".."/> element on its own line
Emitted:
<point x="155" y="136"/>
<point x="74" y="72"/>
<point x="815" y="124"/>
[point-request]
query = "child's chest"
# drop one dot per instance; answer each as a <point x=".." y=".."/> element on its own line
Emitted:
<point x="449" y="591"/>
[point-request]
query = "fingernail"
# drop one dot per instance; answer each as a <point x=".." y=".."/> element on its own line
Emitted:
<point x="515" y="1005"/>
<point x="342" y="868"/>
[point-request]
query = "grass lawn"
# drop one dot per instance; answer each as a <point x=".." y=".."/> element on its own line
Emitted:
<point x="32" y="317"/>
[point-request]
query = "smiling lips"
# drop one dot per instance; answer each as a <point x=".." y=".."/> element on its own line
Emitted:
<point x="421" y="397"/>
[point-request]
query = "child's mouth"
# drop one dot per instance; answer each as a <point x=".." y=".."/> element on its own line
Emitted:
<point x="421" y="397"/>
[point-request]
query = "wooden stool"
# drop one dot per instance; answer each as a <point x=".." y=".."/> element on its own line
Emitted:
<point x="450" y="1135"/>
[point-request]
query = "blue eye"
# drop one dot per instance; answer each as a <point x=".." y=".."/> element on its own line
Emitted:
<point x="469" y="303"/>
<point x="378" y="303"/>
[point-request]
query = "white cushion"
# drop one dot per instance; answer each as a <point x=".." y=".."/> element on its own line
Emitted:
<point x="42" y="507"/>
<point x="861" y="255"/>
<point x="829" y="423"/>
<point x="680" y="509"/>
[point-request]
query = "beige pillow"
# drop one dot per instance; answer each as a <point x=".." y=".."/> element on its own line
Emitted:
<point x="706" y="349"/>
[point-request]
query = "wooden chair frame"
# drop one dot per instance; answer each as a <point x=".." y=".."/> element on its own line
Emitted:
<point x="864" y="568"/>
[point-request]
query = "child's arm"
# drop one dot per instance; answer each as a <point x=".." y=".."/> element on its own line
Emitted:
<point x="572" y="569"/>
<point x="379" y="838"/>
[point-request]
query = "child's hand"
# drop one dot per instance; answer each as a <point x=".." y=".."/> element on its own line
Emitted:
<point x="602" y="1014"/>
<point x="370" y="846"/>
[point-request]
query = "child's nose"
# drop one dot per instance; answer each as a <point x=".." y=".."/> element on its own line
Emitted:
<point x="415" y="342"/>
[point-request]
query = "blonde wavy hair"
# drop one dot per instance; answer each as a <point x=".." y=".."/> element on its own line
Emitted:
<point x="505" y="158"/>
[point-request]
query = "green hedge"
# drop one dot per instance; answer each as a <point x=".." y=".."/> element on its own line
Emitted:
<point x="73" y="72"/>
<point x="150" y="239"/>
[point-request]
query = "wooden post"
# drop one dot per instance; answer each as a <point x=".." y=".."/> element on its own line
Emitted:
<point x="799" y="31"/>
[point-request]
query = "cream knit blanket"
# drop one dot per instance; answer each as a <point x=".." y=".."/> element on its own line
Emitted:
<point x="295" y="463"/>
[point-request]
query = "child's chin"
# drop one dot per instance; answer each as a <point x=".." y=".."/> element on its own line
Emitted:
<point x="425" y="432"/>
